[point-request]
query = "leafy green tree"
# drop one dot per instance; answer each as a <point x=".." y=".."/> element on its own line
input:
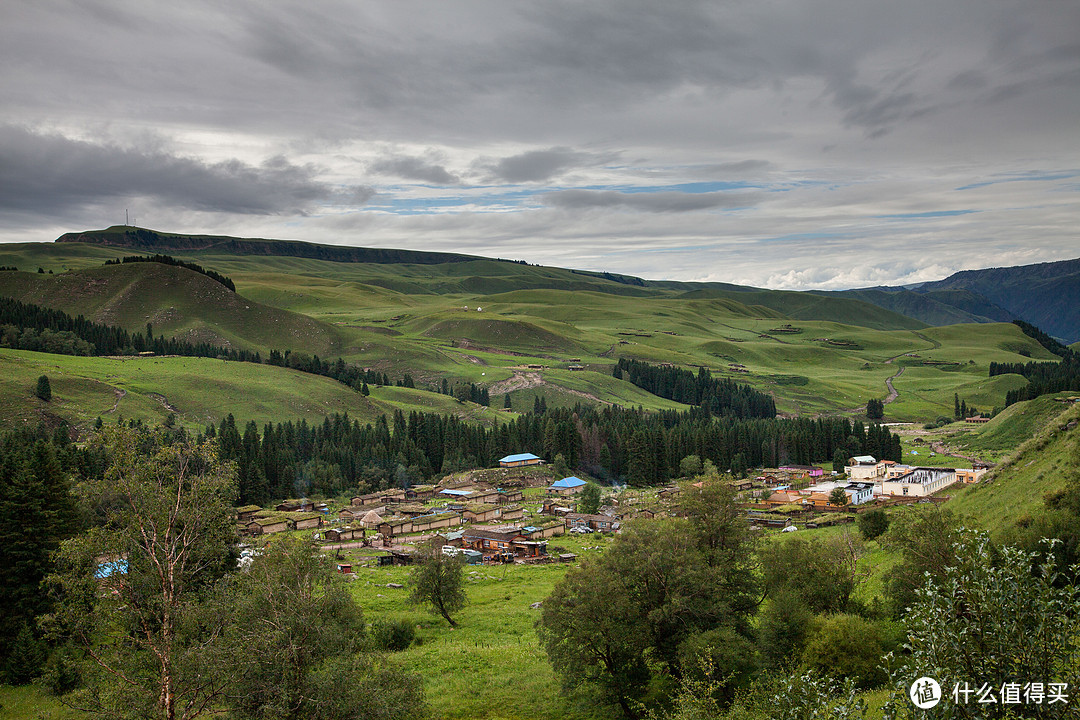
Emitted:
<point x="690" y="466"/>
<point x="507" y="405"/>
<point x="839" y="498"/>
<point x="991" y="620"/>
<point x="664" y="595"/>
<point x="821" y="572"/>
<point x="925" y="535"/>
<point x="43" y="389"/>
<point x="873" y="523"/>
<point x="438" y="583"/>
<point x="839" y="460"/>
<point x="130" y="587"/>
<point x="293" y="630"/>
<point x="589" y="498"/>
<point x="783" y="626"/>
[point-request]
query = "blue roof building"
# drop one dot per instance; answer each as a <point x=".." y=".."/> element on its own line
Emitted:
<point x="566" y="486"/>
<point x="519" y="460"/>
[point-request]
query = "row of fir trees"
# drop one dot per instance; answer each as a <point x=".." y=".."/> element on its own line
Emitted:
<point x="340" y="455"/>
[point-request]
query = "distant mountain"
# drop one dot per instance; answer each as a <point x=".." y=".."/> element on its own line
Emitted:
<point x="940" y="307"/>
<point x="1046" y="295"/>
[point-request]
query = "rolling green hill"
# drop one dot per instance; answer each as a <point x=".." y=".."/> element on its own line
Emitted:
<point x="1017" y="486"/>
<point x="477" y="320"/>
<point x="197" y="390"/>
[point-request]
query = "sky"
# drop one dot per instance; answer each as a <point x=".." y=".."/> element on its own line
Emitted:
<point x="788" y="144"/>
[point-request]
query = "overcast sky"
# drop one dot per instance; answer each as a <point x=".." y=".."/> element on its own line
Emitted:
<point x="779" y="143"/>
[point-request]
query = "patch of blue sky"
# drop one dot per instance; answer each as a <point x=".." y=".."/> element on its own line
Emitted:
<point x="692" y="188"/>
<point x="1026" y="177"/>
<point x="929" y="214"/>
<point x="413" y="205"/>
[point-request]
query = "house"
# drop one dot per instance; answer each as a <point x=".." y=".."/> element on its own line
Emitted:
<point x="802" y="471"/>
<point x="246" y="512"/>
<point x="519" y="460"/>
<point x="435" y="521"/>
<point x="306" y="521"/>
<point x="538" y="532"/>
<point x="865" y="467"/>
<point x="371" y="519"/>
<point x="977" y="420"/>
<point x="457" y="494"/>
<point x="420" y="493"/>
<point x="741" y="484"/>
<point x="482" y="512"/>
<point x="408" y="509"/>
<point x="296" y="506"/>
<point x="567" y="486"/>
<point x="512" y="512"/>
<point x="860" y="492"/>
<point x="506" y="497"/>
<point x="379" y="498"/>
<point x="393" y="526"/>
<point x="452" y="538"/>
<point x="343" y="534"/>
<point x="970" y="475"/>
<point x="919" y="482"/>
<point x="490" y="540"/>
<point x="600" y="523"/>
<point x="785" y="497"/>
<point x="266" y="525"/>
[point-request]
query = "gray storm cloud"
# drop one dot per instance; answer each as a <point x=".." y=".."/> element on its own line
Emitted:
<point x="543" y="130"/>
<point x="50" y="173"/>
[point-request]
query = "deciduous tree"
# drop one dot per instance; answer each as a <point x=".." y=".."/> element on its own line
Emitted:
<point x="438" y="583"/>
<point x="130" y="586"/>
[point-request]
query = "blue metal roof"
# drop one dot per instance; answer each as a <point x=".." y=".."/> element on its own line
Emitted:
<point x="568" y="482"/>
<point x="519" y="457"/>
<point x="457" y="493"/>
<point x="108" y="569"/>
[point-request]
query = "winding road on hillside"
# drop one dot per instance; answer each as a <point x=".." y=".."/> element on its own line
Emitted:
<point x="893" y="392"/>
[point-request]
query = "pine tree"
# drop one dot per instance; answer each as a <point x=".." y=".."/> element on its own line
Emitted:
<point x="43" y="390"/>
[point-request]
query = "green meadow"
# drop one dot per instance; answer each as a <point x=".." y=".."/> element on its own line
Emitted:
<point x="197" y="390"/>
<point x="481" y="321"/>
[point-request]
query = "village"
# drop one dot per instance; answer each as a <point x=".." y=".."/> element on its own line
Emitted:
<point x="508" y="514"/>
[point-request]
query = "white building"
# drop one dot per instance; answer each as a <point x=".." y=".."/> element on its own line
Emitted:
<point x="919" y="482"/>
<point x="866" y="468"/>
<point x="860" y="492"/>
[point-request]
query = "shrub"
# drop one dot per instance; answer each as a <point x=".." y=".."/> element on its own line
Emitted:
<point x="393" y="635"/>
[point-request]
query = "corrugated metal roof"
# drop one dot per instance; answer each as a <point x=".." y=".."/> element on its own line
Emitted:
<point x="568" y="482"/>
<point x="519" y="457"/>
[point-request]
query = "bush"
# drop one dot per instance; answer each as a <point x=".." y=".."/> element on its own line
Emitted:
<point x="873" y="523"/>
<point x="846" y="647"/>
<point x="393" y="635"/>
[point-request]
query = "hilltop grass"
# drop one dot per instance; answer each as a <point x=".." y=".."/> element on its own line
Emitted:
<point x="1016" y="487"/>
<point x="423" y="319"/>
<point x="202" y="390"/>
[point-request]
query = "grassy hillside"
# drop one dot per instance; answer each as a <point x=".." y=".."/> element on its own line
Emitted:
<point x="198" y="390"/>
<point x="476" y="320"/>
<point x="1017" y="486"/>
<point x="176" y="301"/>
